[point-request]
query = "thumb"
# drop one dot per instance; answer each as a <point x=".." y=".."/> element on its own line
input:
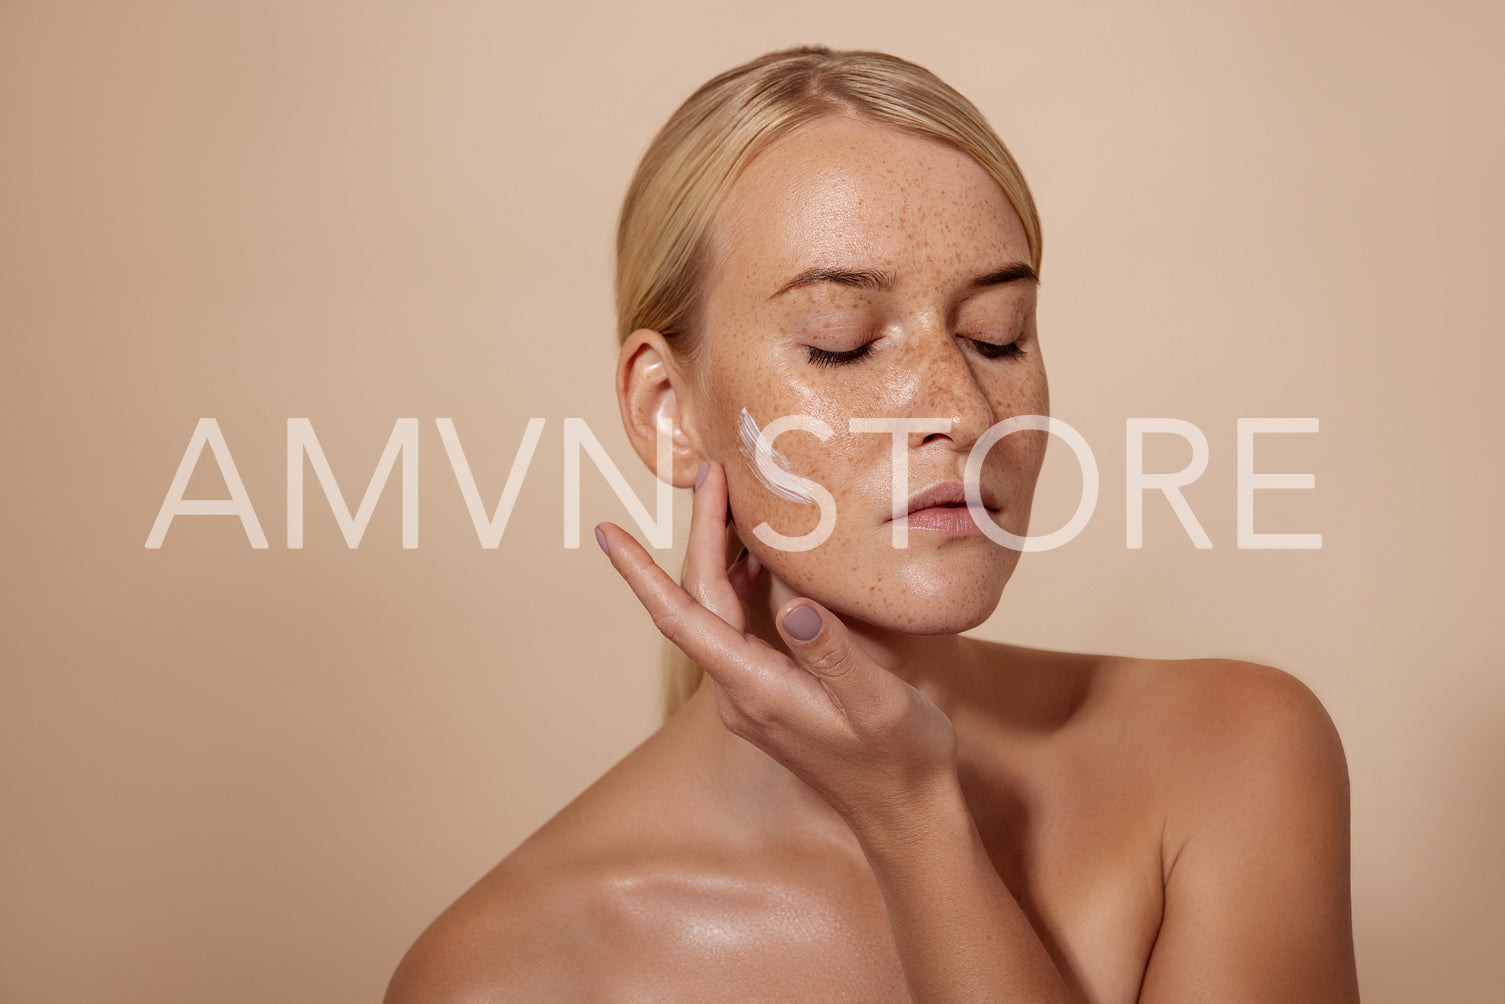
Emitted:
<point x="823" y="646"/>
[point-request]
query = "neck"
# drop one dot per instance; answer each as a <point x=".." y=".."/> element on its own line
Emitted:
<point x="760" y="795"/>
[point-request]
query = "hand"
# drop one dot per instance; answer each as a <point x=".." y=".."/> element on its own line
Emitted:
<point x="871" y="745"/>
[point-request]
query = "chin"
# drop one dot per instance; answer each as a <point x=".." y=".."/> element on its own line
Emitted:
<point x="920" y="596"/>
<point x="949" y="606"/>
<point x="936" y="621"/>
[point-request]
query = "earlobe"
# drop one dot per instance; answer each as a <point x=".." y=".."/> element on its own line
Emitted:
<point x="649" y="394"/>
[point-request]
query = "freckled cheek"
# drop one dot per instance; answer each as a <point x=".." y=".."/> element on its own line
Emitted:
<point x="754" y="497"/>
<point x="1013" y="468"/>
<point x="1021" y="392"/>
<point x="752" y="504"/>
<point x="827" y="464"/>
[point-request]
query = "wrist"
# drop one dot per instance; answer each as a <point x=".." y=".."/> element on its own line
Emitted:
<point x="902" y="831"/>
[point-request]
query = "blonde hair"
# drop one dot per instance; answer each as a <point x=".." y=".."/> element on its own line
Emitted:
<point x="663" y="234"/>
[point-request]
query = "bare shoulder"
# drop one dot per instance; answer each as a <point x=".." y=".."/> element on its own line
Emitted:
<point x="521" y="933"/>
<point x="547" y="923"/>
<point x="1213" y="742"/>
<point x="1255" y="843"/>
<point x="583" y="910"/>
<point x="1255" y="846"/>
<point x="1235" y="722"/>
<point x="605" y="905"/>
<point x="1215" y="718"/>
<point x="649" y="887"/>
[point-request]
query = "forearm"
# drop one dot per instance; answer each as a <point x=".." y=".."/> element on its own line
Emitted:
<point x="961" y="934"/>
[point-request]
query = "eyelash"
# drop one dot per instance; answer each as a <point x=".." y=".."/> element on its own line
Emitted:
<point x="988" y="350"/>
<point x="824" y="357"/>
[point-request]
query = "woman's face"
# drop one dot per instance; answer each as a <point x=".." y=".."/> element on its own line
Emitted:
<point x="859" y="271"/>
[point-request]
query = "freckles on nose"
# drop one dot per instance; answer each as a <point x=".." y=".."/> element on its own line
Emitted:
<point x="943" y="384"/>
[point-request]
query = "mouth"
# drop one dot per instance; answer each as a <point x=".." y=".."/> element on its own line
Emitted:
<point x="948" y="495"/>
<point x="943" y="507"/>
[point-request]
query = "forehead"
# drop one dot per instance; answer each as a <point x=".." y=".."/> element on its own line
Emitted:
<point x="844" y="192"/>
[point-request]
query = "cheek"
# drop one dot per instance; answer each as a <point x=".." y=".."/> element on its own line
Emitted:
<point x="755" y="402"/>
<point x="1021" y="390"/>
<point x="754" y="500"/>
<point x="786" y="481"/>
<point x="1013" y="463"/>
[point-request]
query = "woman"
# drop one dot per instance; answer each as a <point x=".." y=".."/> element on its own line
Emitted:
<point x="858" y="802"/>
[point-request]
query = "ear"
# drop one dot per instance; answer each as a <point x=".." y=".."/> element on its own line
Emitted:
<point x="650" y="392"/>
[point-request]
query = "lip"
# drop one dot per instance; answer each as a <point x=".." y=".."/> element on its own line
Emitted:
<point x="947" y="495"/>
<point x="942" y="508"/>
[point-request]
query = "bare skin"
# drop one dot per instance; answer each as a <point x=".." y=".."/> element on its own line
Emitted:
<point x="889" y="810"/>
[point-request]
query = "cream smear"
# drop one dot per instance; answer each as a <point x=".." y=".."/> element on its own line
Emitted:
<point x="769" y="465"/>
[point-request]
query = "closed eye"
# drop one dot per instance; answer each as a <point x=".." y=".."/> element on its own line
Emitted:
<point x="825" y="357"/>
<point x="993" y="350"/>
<point x="988" y="350"/>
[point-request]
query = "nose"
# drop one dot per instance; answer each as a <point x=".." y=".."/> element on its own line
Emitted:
<point x="944" y="385"/>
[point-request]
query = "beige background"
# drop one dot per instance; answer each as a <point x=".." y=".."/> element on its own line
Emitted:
<point x="233" y="775"/>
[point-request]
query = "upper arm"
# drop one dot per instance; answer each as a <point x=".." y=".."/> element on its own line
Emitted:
<point x="1257" y="904"/>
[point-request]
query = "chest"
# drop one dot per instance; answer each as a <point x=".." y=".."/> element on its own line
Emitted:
<point x="810" y="923"/>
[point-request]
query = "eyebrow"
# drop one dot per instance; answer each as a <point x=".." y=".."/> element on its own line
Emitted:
<point x="1014" y="271"/>
<point x="863" y="278"/>
<point x="857" y="278"/>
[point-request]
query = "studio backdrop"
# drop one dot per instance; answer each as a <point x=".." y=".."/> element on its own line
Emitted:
<point x="305" y="323"/>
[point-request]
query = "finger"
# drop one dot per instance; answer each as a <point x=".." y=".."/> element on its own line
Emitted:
<point x="705" y="574"/>
<point x="821" y="644"/>
<point x="728" y="655"/>
<point x="760" y="682"/>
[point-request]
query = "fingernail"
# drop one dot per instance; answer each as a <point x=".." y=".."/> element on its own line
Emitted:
<point x="700" y="474"/>
<point x="802" y="623"/>
<point x="601" y="539"/>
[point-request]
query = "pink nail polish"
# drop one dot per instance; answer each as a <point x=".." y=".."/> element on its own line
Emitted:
<point x="700" y="474"/>
<point x="802" y="623"/>
<point x="601" y="539"/>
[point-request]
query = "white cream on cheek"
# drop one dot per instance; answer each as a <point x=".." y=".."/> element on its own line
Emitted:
<point x="769" y="466"/>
